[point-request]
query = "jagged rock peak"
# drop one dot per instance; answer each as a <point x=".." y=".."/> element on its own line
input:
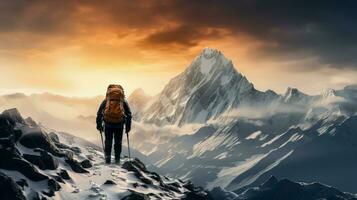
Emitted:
<point x="293" y="94"/>
<point x="14" y="114"/>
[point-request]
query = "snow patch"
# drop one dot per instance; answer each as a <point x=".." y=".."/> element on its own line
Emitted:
<point x="254" y="135"/>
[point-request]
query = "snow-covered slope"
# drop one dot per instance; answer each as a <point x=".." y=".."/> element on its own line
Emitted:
<point x="37" y="163"/>
<point x="138" y="101"/>
<point x="239" y="152"/>
<point x="207" y="88"/>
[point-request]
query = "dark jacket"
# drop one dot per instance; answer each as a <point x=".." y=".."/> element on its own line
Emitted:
<point x="127" y="113"/>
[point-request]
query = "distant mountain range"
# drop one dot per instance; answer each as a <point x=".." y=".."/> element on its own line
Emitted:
<point x="246" y="135"/>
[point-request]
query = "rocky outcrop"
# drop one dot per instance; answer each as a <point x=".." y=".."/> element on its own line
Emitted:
<point x="9" y="189"/>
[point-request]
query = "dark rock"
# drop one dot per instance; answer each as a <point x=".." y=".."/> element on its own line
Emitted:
<point x="53" y="185"/>
<point x="7" y="129"/>
<point x="86" y="164"/>
<point x="109" y="182"/>
<point x="135" y="185"/>
<point x="22" y="183"/>
<point x="44" y="161"/>
<point x="37" y="139"/>
<point x="137" y="167"/>
<point x="136" y="196"/>
<point x="9" y="189"/>
<point x="145" y="180"/>
<point x="23" y="167"/>
<point x="58" y="178"/>
<point x="76" y="150"/>
<point x="189" y="185"/>
<point x="174" y="184"/>
<point x="75" y="165"/>
<point x="53" y="137"/>
<point x="173" y="187"/>
<point x="64" y="174"/>
<point x="14" y="114"/>
<point x="9" y="153"/>
<point x="29" y="121"/>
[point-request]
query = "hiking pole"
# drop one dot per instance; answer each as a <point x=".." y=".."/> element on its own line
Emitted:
<point x="127" y="139"/>
<point x="101" y="136"/>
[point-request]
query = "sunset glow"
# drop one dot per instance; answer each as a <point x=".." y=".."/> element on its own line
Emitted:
<point x="77" y="48"/>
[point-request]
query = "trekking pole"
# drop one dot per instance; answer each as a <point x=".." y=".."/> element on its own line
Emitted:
<point x="127" y="139"/>
<point x="101" y="136"/>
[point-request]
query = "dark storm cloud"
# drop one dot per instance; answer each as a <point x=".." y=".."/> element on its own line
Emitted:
<point x="324" y="29"/>
<point x="185" y="36"/>
<point x="36" y="16"/>
<point x="321" y="28"/>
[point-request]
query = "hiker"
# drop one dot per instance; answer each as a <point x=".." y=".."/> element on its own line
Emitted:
<point x="114" y="111"/>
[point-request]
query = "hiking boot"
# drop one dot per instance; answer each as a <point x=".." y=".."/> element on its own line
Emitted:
<point x="117" y="161"/>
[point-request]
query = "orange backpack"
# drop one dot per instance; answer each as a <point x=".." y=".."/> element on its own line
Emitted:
<point x="114" y="108"/>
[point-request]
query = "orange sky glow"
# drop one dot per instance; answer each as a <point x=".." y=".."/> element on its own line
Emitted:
<point x="77" y="49"/>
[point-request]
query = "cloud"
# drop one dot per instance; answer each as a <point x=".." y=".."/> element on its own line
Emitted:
<point x="286" y="29"/>
<point x="184" y="36"/>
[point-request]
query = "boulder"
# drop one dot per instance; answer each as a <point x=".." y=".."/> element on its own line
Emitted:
<point x="7" y="129"/>
<point x="86" y="163"/>
<point x="109" y="182"/>
<point x="14" y="114"/>
<point x="64" y="174"/>
<point x="44" y="161"/>
<point x="75" y="165"/>
<point x="36" y="138"/>
<point x="22" y="183"/>
<point x="24" y="168"/>
<point x="9" y="189"/>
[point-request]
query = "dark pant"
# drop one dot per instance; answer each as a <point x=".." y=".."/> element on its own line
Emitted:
<point x="117" y="133"/>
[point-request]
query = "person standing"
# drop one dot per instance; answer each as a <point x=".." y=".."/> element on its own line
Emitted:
<point x="113" y="115"/>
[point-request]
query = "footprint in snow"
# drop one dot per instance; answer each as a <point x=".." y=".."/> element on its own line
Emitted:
<point x="97" y="192"/>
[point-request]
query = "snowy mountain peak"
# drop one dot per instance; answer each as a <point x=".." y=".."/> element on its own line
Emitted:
<point x="207" y="88"/>
<point x="329" y="93"/>
<point x="210" y="63"/>
<point x="210" y="52"/>
<point x="293" y="95"/>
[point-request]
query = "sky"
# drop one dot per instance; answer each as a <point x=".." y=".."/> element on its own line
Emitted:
<point x="77" y="48"/>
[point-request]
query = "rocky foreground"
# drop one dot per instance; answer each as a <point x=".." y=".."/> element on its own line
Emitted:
<point x="37" y="163"/>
